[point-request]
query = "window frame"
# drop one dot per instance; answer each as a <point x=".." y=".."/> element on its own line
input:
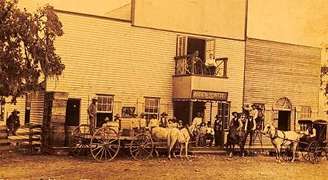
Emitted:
<point x="147" y="114"/>
<point x="181" y="67"/>
<point x="306" y="112"/>
<point x="101" y="102"/>
<point x="225" y="115"/>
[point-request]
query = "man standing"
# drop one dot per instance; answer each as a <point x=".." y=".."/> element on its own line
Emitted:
<point x="92" y="112"/>
<point x="13" y="122"/>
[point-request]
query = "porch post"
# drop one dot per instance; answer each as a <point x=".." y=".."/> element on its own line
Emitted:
<point x="211" y="112"/>
<point x="190" y="111"/>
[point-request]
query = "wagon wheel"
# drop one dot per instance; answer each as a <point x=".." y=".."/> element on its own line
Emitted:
<point x="324" y="152"/>
<point x="314" y="152"/>
<point x="80" y="140"/>
<point x="105" y="144"/>
<point x="287" y="154"/>
<point x="142" y="146"/>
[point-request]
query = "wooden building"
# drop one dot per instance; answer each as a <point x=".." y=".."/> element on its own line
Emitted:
<point x="141" y="61"/>
<point x="284" y="79"/>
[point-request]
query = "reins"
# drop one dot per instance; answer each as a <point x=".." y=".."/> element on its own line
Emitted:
<point x="276" y="135"/>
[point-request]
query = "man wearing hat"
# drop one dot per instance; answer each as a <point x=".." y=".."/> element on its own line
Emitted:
<point x="92" y="113"/>
<point x="13" y="122"/>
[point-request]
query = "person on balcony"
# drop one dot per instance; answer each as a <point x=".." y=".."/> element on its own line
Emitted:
<point x="197" y="64"/>
<point x="210" y="65"/>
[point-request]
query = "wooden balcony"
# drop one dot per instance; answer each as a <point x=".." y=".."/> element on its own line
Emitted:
<point x="184" y="65"/>
<point x="199" y="88"/>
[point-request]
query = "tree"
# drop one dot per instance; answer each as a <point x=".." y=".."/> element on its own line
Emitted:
<point x="27" y="50"/>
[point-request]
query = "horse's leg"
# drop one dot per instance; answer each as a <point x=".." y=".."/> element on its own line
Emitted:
<point x="181" y="149"/>
<point x="186" y="149"/>
<point x="232" y="149"/>
<point x="172" y="146"/>
<point x="294" y="151"/>
<point x="278" y="152"/>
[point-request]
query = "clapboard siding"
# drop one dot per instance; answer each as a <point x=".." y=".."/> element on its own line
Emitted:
<point x="104" y="56"/>
<point x="275" y="70"/>
<point x="37" y="107"/>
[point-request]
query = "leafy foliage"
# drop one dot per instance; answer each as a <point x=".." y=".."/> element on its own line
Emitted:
<point x="27" y="48"/>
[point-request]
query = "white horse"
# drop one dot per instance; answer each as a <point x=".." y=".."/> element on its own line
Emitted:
<point x="282" y="138"/>
<point x="159" y="133"/>
<point x="181" y="136"/>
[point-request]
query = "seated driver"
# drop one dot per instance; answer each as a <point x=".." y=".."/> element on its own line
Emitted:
<point x="311" y="134"/>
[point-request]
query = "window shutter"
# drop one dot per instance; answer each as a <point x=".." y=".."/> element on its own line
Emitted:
<point x="181" y="46"/>
<point x="210" y="48"/>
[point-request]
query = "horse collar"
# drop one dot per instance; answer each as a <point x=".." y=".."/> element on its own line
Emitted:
<point x="275" y="134"/>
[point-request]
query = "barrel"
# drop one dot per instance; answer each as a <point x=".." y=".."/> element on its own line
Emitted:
<point x="57" y="135"/>
<point x="68" y="135"/>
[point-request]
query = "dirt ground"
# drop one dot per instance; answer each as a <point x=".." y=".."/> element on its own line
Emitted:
<point x="17" y="166"/>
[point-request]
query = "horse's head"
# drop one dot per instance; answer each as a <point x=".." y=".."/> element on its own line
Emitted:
<point x="268" y="128"/>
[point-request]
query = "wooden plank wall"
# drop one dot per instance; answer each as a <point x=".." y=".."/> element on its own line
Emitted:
<point x="104" y="56"/>
<point x="274" y="70"/>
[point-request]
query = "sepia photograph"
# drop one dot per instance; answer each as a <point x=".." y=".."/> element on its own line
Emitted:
<point x="164" y="89"/>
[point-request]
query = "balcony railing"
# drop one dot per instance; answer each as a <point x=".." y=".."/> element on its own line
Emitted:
<point x="186" y="65"/>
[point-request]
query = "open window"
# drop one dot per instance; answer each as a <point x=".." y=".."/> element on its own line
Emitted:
<point x="197" y="56"/>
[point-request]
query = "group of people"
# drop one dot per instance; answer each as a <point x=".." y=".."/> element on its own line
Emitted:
<point x="246" y="123"/>
<point x="197" y="66"/>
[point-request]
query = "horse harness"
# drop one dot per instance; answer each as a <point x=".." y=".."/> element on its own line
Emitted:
<point x="275" y="136"/>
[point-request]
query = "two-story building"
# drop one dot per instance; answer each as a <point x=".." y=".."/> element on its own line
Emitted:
<point x="141" y="57"/>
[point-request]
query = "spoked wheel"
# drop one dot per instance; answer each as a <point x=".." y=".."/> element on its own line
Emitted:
<point x="142" y="146"/>
<point x="324" y="151"/>
<point x="314" y="152"/>
<point x="80" y="140"/>
<point x="287" y="154"/>
<point x="105" y="144"/>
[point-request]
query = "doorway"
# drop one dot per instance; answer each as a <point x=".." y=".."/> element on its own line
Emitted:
<point x="198" y="107"/>
<point x="284" y="120"/>
<point x="195" y="44"/>
<point x="73" y="112"/>
<point x="182" y="109"/>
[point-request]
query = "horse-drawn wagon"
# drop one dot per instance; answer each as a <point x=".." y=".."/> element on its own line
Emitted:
<point x="287" y="143"/>
<point x="315" y="148"/>
<point x="106" y="142"/>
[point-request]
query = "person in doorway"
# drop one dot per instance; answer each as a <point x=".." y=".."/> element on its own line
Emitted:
<point x="210" y="65"/>
<point x="210" y="134"/>
<point x="13" y="122"/>
<point x="92" y="113"/>
<point x="218" y="130"/>
<point x="198" y="120"/>
<point x="197" y="63"/>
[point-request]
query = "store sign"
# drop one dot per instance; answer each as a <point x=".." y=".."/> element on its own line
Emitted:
<point x="210" y="95"/>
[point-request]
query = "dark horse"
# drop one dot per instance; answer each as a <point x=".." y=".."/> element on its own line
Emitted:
<point x="236" y="137"/>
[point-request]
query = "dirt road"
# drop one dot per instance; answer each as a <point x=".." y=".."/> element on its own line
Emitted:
<point x="14" y="166"/>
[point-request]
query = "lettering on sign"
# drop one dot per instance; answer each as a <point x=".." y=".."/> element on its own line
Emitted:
<point x="210" y="95"/>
